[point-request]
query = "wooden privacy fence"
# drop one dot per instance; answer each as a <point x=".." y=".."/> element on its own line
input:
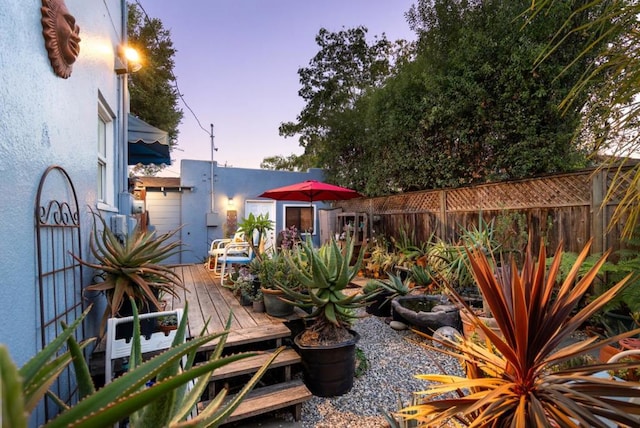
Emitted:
<point x="565" y="207"/>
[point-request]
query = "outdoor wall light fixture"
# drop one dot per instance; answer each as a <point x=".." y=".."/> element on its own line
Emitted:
<point x="128" y="60"/>
<point x="230" y="203"/>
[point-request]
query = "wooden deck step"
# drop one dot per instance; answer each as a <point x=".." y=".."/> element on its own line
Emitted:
<point x="252" y="335"/>
<point x="270" y="398"/>
<point x="250" y="365"/>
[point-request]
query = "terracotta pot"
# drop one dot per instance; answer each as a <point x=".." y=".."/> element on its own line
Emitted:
<point x="167" y="328"/>
<point x="606" y="352"/>
<point x="470" y="330"/>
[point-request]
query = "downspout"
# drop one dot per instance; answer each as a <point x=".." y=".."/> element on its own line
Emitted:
<point x="125" y="199"/>
<point x="213" y="149"/>
<point x="125" y="105"/>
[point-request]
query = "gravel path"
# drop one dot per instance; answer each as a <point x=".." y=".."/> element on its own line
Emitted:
<point x="394" y="358"/>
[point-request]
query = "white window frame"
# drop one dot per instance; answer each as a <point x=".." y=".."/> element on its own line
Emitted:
<point x="314" y="219"/>
<point x="105" y="188"/>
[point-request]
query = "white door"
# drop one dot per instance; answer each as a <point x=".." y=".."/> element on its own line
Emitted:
<point x="164" y="214"/>
<point x="264" y="207"/>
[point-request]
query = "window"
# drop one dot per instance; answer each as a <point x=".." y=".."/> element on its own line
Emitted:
<point x="105" y="138"/>
<point x="300" y="216"/>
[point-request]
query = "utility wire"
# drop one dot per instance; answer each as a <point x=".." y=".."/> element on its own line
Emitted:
<point x="175" y="79"/>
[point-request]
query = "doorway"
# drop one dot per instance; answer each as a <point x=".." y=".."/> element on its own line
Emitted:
<point x="263" y="207"/>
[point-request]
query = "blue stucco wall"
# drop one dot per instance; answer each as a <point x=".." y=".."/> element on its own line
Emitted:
<point x="47" y="120"/>
<point x="241" y="184"/>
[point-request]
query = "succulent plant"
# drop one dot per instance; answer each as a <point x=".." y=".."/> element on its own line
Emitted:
<point x="324" y="274"/>
<point x="131" y="268"/>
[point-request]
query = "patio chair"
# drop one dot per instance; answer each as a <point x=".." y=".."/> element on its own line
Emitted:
<point x="217" y="249"/>
<point x="234" y="253"/>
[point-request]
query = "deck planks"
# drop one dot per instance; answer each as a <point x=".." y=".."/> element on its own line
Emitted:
<point x="208" y="300"/>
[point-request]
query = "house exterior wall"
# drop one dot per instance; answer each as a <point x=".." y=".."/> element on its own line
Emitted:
<point x="241" y="184"/>
<point x="46" y="120"/>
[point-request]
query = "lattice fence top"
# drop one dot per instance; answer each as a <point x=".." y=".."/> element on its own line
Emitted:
<point x="408" y="202"/>
<point x="559" y="190"/>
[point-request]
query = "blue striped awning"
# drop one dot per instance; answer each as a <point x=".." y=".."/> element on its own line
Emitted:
<point x="147" y="144"/>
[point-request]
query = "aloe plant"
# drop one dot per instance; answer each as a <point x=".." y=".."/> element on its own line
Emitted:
<point x="394" y="286"/>
<point x="324" y="274"/>
<point x="165" y="404"/>
<point x="509" y="379"/>
<point x="131" y="269"/>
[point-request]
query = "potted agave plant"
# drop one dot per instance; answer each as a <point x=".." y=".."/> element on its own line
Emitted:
<point x="327" y="344"/>
<point x="131" y="269"/>
<point x="510" y="379"/>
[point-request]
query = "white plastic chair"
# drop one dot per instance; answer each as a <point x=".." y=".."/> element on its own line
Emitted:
<point x="217" y="249"/>
<point x="121" y="348"/>
<point x="234" y="253"/>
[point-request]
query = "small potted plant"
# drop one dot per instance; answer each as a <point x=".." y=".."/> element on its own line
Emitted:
<point x="242" y="283"/>
<point x="167" y="323"/>
<point x="258" y="301"/>
<point x="327" y="344"/>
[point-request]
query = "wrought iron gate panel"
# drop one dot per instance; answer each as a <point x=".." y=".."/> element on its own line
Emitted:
<point x="57" y="223"/>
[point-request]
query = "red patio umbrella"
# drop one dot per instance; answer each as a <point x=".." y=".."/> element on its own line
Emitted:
<point x="309" y="191"/>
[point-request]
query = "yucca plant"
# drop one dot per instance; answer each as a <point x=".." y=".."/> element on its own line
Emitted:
<point x="510" y="381"/>
<point x="324" y="274"/>
<point x="255" y="228"/>
<point x="131" y="269"/>
<point x="165" y="404"/>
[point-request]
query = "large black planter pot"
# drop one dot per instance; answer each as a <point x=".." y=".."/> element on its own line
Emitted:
<point x="380" y="306"/>
<point x="329" y="370"/>
<point x="425" y="312"/>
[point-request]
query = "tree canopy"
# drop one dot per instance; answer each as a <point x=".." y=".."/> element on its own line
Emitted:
<point x="343" y="69"/>
<point x="465" y="106"/>
<point x="613" y="115"/>
<point x="152" y="89"/>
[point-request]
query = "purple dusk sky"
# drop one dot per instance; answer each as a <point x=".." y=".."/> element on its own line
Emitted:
<point x="237" y="62"/>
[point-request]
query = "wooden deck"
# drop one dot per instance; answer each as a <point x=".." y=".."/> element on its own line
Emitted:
<point x="208" y="300"/>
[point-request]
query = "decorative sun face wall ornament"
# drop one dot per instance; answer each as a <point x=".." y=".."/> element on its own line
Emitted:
<point x="61" y="38"/>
